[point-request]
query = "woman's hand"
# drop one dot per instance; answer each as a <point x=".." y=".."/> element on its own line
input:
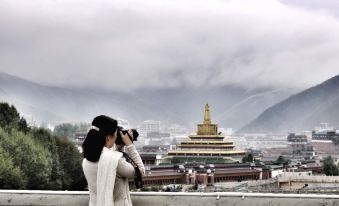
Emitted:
<point x="125" y="138"/>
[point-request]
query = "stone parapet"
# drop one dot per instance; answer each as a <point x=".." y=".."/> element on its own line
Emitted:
<point x="67" y="198"/>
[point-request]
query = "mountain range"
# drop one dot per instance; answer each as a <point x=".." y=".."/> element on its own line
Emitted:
<point x="301" y="111"/>
<point x="231" y="106"/>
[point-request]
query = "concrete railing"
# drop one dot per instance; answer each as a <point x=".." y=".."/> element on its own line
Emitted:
<point x="64" y="198"/>
<point x="315" y="179"/>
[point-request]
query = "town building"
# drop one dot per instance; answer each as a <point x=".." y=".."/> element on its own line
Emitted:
<point x="153" y="154"/>
<point x="300" y="145"/>
<point x="259" y="141"/>
<point x="148" y="126"/>
<point x="326" y="140"/>
<point x="157" y="138"/>
<point x="199" y="174"/>
<point x="123" y="123"/>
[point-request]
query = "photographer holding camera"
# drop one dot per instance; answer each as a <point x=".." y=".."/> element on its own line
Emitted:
<point x="120" y="145"/>
<point x="107" y="170"/>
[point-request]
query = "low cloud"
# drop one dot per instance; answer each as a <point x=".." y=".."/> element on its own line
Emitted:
<point x="128" y="45"/>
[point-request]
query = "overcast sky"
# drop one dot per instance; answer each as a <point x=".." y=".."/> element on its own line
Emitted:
<point x="134" y="44"/>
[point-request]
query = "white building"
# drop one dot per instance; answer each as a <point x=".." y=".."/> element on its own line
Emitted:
<point x="123" y="123"/>
<point x="259" y="141"/>
<point x="148" y="126"/>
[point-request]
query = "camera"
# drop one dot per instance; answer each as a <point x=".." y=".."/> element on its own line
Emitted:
<point x="125" y="131"/>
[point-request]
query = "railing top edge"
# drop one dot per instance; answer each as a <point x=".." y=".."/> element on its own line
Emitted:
<point x="200" y="194"/>
<point x="61" y="192"/>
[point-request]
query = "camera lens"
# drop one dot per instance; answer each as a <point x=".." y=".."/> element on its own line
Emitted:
<point x="125" y="131"/>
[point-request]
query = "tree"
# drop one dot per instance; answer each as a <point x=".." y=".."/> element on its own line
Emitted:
<point x="33" y="158"/>
<point x="248" y="158"/>
<point x="48" y="141"/>
<point x="69" y="130"/>
<point x="29" y="156"/>
<point x="83" y="126"/>
<point x="65" y="130"/>
<point x="11" y="176"/>
<point x="10" y="118"/>
<point x="72" y="174"/>
<point x="281" y="160"/>
<point x="335" y="140"/>
<point x="329" y="167"/>
<point x="23" y="126"/>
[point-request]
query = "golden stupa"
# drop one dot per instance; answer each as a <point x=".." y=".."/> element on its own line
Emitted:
<point x="207" y="143"/>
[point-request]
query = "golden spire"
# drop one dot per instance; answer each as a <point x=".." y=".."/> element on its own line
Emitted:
<point x="207" y="116"/>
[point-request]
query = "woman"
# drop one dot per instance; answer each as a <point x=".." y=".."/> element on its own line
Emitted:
<point x="105" y="169"/>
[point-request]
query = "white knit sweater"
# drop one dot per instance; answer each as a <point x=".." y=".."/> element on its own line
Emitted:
<point x="124" y="170"/>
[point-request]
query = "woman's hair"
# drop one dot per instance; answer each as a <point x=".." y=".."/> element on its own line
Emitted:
<point x="96" y="137"/>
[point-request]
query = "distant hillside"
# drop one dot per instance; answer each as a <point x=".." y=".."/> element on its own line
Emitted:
<point x="55" y="105"/>
<point x="230" y="106"/>
<point x="302" y="111"/>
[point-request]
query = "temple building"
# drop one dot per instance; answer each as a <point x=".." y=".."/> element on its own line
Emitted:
<point x="299" y="145"/>
<point x="207" y="146"/>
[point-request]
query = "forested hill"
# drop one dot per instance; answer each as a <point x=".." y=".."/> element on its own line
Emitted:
<point x="34" y="159"/>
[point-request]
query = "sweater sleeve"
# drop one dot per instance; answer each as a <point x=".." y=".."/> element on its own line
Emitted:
<point x="125" y="169"/>
<point x="134" y="155"/>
